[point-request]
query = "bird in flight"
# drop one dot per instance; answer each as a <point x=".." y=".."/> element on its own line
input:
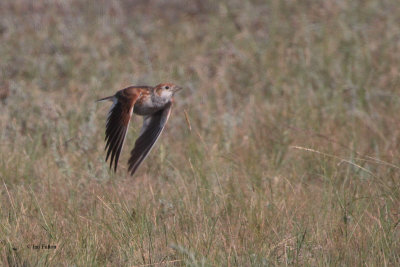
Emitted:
<point x="154" y="103"/>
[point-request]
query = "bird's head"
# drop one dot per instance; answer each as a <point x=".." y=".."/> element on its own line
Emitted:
<point x="167" y="90"/>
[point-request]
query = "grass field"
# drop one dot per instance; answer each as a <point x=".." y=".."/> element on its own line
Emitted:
<point x="290" y="153"/>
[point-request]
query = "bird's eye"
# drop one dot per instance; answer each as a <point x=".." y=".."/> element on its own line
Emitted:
<point x="167" y="87"/>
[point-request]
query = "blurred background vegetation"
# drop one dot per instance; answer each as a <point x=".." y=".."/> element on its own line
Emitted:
<point x="291" y="157"/>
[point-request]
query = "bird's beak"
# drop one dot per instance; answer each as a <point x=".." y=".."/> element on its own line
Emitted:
<point x="177" y="88"/>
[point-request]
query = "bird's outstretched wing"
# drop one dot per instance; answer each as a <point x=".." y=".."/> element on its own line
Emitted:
<point x="151" y="130"/>
<point x="118" y="120"/>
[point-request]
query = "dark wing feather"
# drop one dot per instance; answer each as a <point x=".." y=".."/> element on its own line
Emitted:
<point x="150" y="132"/>
<point x="117" y="125"/>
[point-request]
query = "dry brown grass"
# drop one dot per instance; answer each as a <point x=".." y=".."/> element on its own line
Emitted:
<point x="293" y="152"/>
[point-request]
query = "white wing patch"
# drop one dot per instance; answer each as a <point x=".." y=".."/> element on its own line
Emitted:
<point x="115" y="101"/>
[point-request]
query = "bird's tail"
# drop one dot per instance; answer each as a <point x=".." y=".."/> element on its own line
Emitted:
<point x="105" y="98"/>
